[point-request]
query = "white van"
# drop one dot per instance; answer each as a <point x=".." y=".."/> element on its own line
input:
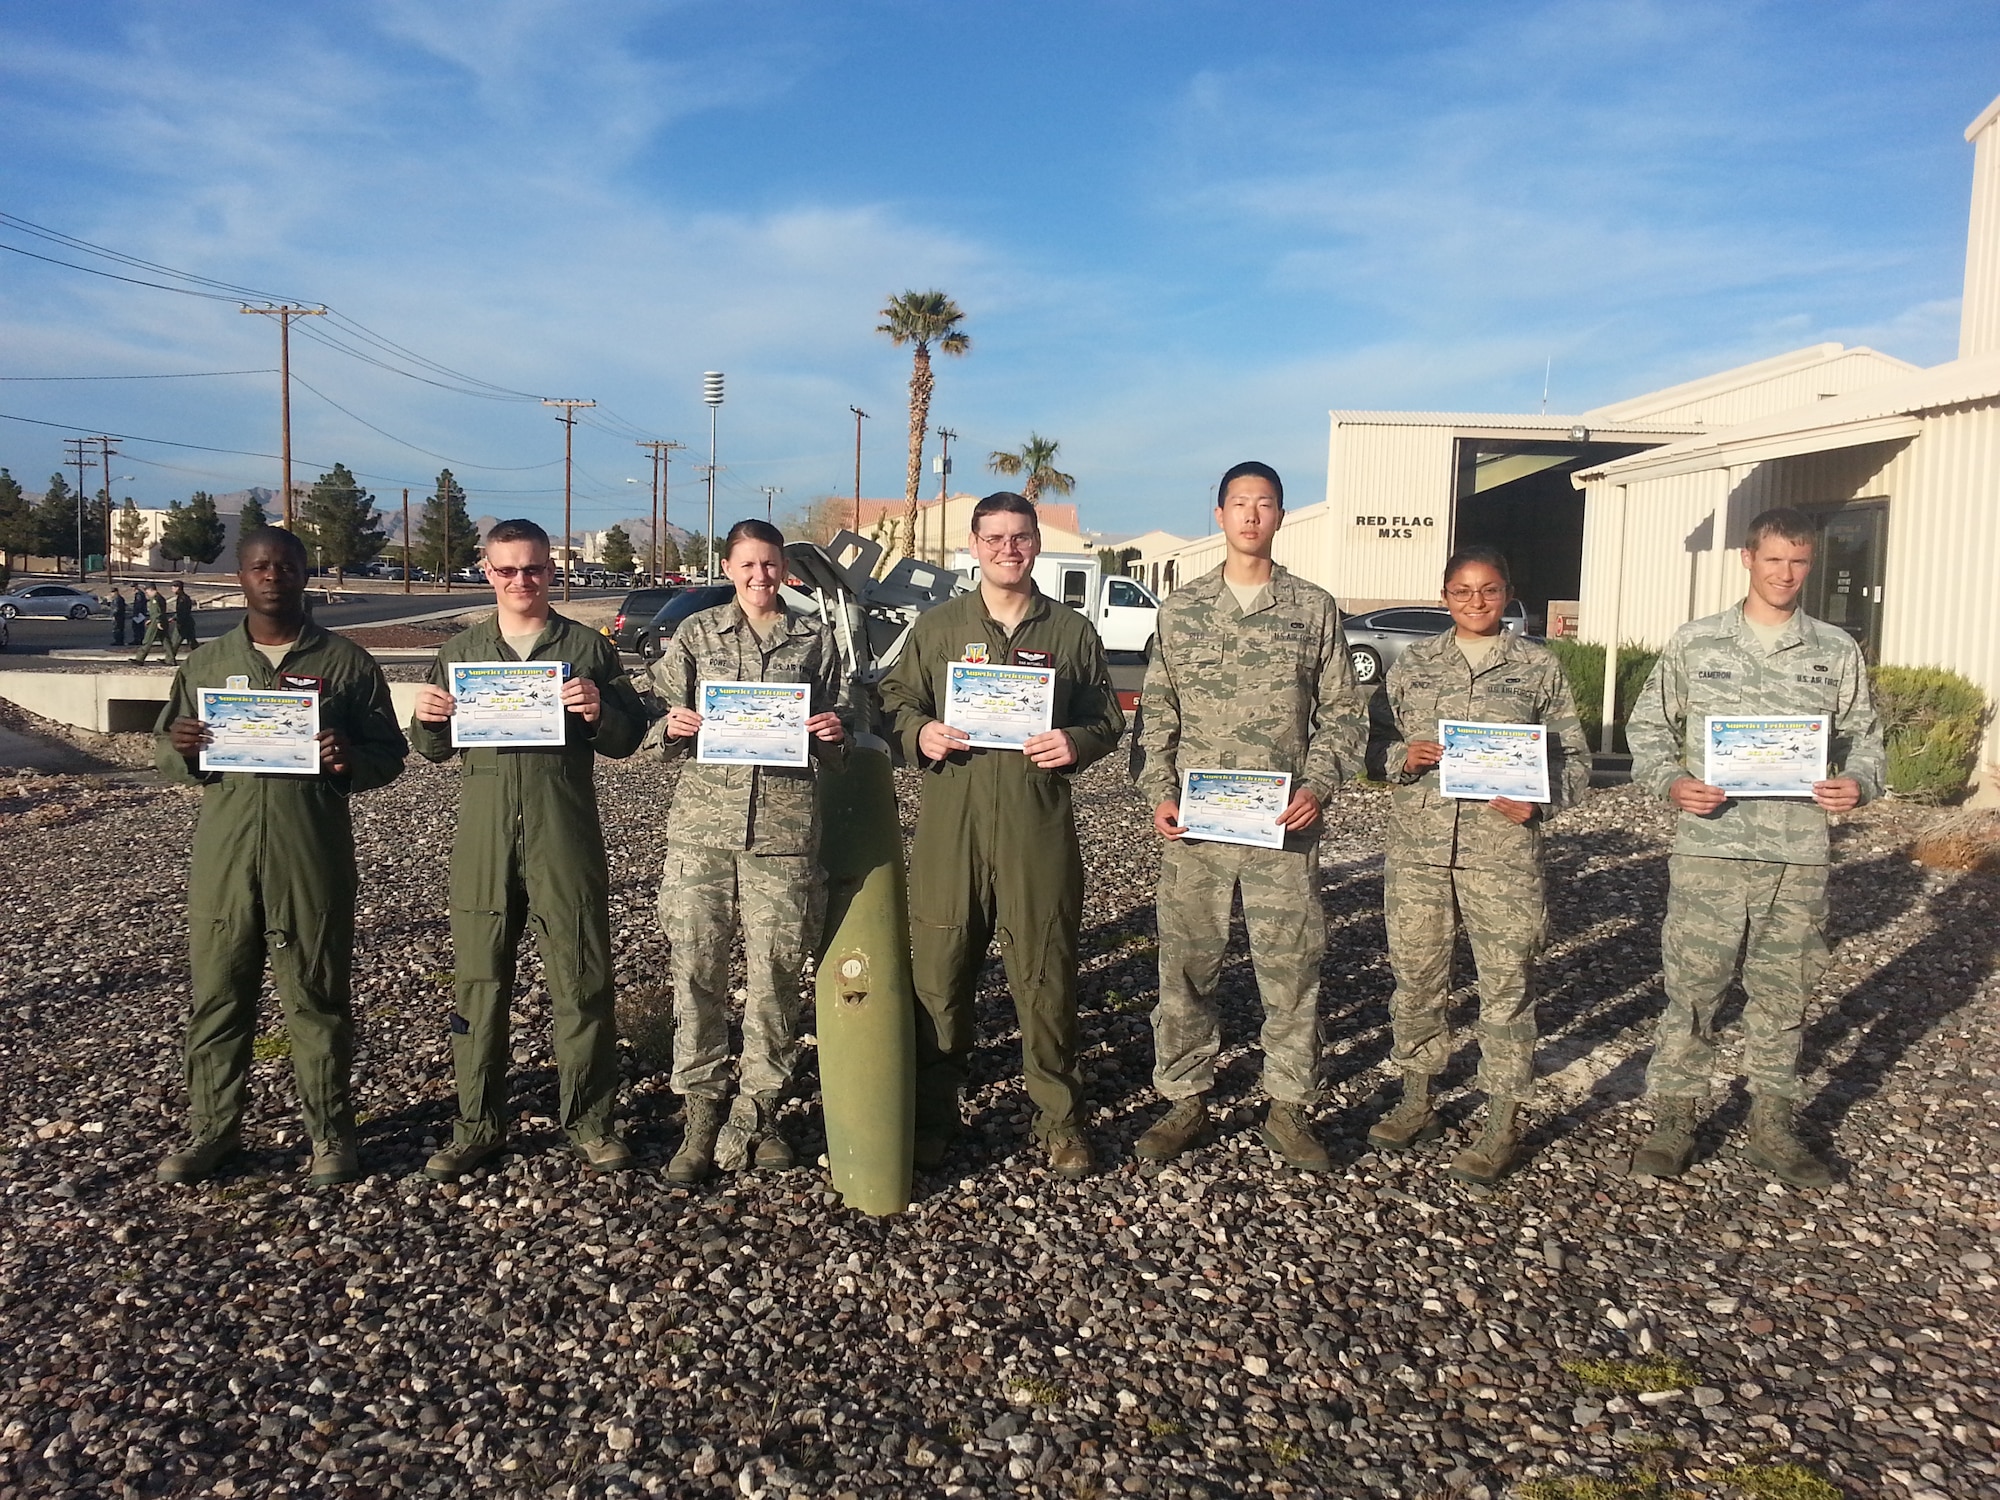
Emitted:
<point x="1121" y="609"/>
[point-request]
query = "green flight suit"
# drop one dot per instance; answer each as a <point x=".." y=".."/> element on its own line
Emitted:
<point x="530" y="846"/>
<point x="996" y="854"/>
<point x="273" y="876"/>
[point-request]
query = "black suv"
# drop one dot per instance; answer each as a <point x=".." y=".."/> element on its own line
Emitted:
<point x="655" y="634"/>
<point x="635" y="613"/>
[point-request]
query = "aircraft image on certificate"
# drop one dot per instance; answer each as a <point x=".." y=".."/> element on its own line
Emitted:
<point x="753" y="723"/>
<point x="252" y="730"/>
<point x="1483" y="761"/>
<point x="1001" y="708"/>
<point x="507" y="703"/>
<point x="1776" y="755"/>
<point x="1235" y="807"/>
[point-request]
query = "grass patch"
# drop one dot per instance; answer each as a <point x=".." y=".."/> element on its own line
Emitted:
<point x="646" y="1021"/>
<point x="1163" y="1427"/>
<point x="1640" y="1484"/>
<point x="1781" y="1481"/>
<point x="270" y="1046"/>
<point x="1031" y="1391"/>
<point x="1656" y="1372"/>
<point x="439" y="976"/>
<point x="1284" y="1450"/>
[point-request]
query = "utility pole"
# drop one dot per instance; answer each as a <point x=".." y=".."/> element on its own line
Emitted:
<point x="662" y="452"/>
<point x="284" y="312"/>
<point x="568" y="419"/>
<point x="711" y="392"/>
<point x="946" y="437"/>
<point x="406" y="539"/>
<point x="771" y="492"/>
<point x="103" y="447"/>
<point x="79" y="459"/>
<point x="860" y="416"/>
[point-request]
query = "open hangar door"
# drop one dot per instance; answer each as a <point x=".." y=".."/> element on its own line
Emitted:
<point x="1515" y="495"/>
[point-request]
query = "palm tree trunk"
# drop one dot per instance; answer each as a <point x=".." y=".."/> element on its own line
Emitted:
<point x="1032" y="487"/>
<point x="920" y="417"/>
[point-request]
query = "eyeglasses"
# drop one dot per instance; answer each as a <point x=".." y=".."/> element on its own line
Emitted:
<point x="531" y="571"/>
<point x="1466" y="596"/>
<point x="1017" y="541"/>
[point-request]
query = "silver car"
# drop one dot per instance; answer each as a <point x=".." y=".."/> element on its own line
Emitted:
<point x="1377" y="638"/>
<point x="54" y="599"/>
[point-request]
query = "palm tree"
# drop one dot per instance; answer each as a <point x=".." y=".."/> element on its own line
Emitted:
<point x="922" y="319"/>
<point x="1035" y="458"/>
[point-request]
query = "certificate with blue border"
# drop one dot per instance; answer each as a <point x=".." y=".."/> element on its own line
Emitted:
<point x="999" y="708"/>
<point x="1768" y="755"/>
<point x="510" y="704"/>
<point x="753" y="723"/>
<point x="253" y="730"/>
<point x="1235" y="807"/>
<point x="1483" y="761"/>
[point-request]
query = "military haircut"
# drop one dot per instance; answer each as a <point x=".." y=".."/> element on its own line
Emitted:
<point x="518" y="530"/>
<point x="265" y="536"/>
<point x="1250" y="469"/>
<point x="1008" y="503"/>
<point x="752" y="531"/>
<point x="1491" y="557"/>
<point x="1784" y="521"/>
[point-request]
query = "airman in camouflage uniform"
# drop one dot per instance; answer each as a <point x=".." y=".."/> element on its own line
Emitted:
<point x="1756" y="866"/>
<point x="1449" y="857"/>
<point x="740" y="839"/>
<point x="1264" y="685"/>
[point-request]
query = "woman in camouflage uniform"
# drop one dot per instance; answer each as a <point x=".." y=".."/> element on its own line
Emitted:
<point x="742" y="838"/>
<point x="1451" y="860"/>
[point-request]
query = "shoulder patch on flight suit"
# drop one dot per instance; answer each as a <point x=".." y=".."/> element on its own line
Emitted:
<point x="975" y="651"/>
<point x="1035" y="658"/>
<point x="236" y="680"/>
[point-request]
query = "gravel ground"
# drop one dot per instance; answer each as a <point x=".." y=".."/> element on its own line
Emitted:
<point x="1223" y="1327"/>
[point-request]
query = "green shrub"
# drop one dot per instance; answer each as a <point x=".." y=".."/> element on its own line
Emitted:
<point x="1583" y="664"/>
<point x="1932" y="721"/>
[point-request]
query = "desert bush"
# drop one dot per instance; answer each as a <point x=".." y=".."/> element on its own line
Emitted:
<point x="1932" y="723"/>
<point x="1583" y="665"/>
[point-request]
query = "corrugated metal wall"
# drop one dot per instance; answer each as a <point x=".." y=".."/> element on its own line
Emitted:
<point x="1401" y="479"/>
<point x="1851" y="370"/>
<point x="1979" y="314"/>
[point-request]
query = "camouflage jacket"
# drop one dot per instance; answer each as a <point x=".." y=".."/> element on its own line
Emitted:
<point x="1717" y="666"/>
<point x="771" y="809"/>
<point x="1518" y="683"/>
<point x="1270" y="690"/>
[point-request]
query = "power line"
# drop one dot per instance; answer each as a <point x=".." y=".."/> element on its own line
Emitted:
<point x="456" y="463"/>
<point x="114" y="276"/>
<point x="183" y="375"/>
<point x="42" y="231"/>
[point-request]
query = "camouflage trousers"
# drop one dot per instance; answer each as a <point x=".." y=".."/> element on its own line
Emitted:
<point x="1713" y="905"/>
<point x="702" y="891"/>
<point x="1287" y="925"/>
<point x="1506" y="921"/>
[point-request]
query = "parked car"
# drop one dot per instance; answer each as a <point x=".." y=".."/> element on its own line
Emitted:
<point x="474" y="574"/>
<point x="651" y="638"/>
<point x="1377" y="638"/>
<point x="635" y="612"/>
<point x="56" y="600"/>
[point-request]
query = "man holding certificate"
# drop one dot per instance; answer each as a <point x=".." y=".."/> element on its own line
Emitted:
<point x="996" y="852"/>
<point x="274" y="874"/>
<point x="753" y="691"/>
<point x="528" y="699"/>
<point x="1756" y="723"/>
<point x="1250" y="719"/>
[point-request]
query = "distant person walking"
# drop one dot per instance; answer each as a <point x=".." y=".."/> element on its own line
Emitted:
<point x="117" y="617"/>
<point x="184" y="617"/>
<point x="159" y="627"/>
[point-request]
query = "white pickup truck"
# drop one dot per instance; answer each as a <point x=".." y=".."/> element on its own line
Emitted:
<point x="1122" y="610"/>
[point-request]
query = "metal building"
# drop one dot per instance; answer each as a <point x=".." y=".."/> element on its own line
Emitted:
<point x="1902" y="477"/>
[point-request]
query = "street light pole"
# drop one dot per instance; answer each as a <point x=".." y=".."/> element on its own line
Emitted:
<point x="860" y="416"/>
<point x="711" y="392"/>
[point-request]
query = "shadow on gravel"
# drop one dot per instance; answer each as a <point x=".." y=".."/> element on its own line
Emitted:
<point x="1909" y="997"/>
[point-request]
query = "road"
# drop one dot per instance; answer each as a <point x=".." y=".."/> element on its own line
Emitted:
<point x="33" y="639"/>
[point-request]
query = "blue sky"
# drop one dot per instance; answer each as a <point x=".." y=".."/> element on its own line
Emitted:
<point x="1181" y="232"/>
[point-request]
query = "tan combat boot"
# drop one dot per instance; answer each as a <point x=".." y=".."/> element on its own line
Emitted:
<point x="1069" y="1153"/>
<point x="456" y="1160"/>
<point x="333" y="1162"/>
<point x="1411" y="1122"/>
<point x="1287" y="1131"/>
<point x="1778" y="1150"/>
<point x="605" y="1154"/>
<point x="1183" y="1127"/>
<point x="1670" y="1147"/>
<point x="702" y="1123"/>
<point x="774" y="1153"/>
<point x="199" y="1161"/>
<point x="1491" y="1157"/>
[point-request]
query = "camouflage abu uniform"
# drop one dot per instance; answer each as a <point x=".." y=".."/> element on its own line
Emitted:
<point x="1267" y="688"/>
<point x="1445" y="853"/>
<point x="1757" y="865"/>
<point x="747" y="834"/>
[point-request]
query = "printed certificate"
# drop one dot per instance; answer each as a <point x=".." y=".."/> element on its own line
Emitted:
<point x="1484" y="761"/>
<point x="250" y="730"/>
<point x="1002" y="708"/>
<point x="1236" y="807"/>
<point x="753" y="723"/>
<point x="507" y="703"/>
<point x="1777" y="755"/>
